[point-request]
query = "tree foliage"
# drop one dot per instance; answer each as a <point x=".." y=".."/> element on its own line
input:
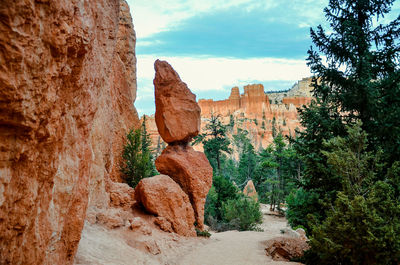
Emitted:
<point x="137" y="157"/>
<point x="357" y="101"/>
<point x="214" y="141"/>
<point x="363" y="223"/>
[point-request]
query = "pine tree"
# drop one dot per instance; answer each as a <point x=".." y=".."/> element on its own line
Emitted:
<point x="215" y="142"/>
<point x="137" y="157"/>
<point x="363" y="223"/>
<point x="358" y="81"/>
<point x="273" y="127"/>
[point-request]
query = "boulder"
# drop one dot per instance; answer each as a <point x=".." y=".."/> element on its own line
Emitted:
<point x="302" y="233"/>
<point x="121" y="195"/>
<point x="192" y="171"/>
<point x="177" y="112"/>
<point x="285" y="248"/>
<point x="290" y="232"/>
<point x="250" y="190"/>
<point x="163" y="223"/>
<point x="111" y="218"/>
<point x="161" y="196"/>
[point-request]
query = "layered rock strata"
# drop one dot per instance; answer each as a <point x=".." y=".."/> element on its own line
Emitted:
<point x="68" y="83"/>
<point x="254" y="110"/>
<point x="178" y="120"/>
<point x="259" y="112"/>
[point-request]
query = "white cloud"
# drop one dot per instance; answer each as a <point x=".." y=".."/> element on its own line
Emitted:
<point x="207" y="74"/>
<point x="215" y="74"/>
<point x="150" y="17"/>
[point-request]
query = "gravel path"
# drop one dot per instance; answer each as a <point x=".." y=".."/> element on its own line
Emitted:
<point x="241" y="248"/>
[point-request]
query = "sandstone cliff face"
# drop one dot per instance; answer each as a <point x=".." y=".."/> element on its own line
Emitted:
<point x="258" y="112"/>
<point x="67" y="78"/>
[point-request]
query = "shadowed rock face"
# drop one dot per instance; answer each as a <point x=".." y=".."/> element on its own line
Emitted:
<point x="67" y="78"/>
<point x="177" y="112"/>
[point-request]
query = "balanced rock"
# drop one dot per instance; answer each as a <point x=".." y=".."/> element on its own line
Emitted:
<point x="250" y="190"/>
<point x="177" y="112"/>
<point x="285" y="248"/>
<point x="192" y="171"/>
<point x="163" y="197"/>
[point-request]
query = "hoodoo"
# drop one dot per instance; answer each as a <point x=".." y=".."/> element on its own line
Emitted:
<point x="178" y="121"/>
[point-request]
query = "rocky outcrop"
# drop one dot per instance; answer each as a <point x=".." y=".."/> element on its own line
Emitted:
<point x="67" y="78"/>
<point x="255" y="111"/>
<point x="163" y="197"/>
<point x="178" y="121"/>
<point x="192" y="171"/>
<point x="285" y="248"/>
<point x="250" y="190"/>
<point x="177" y="113"/>
<point x="258" y="112"/>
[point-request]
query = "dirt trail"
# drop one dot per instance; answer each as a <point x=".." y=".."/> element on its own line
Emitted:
<point x="122" y="246"/>
<point x="241" y="248"/>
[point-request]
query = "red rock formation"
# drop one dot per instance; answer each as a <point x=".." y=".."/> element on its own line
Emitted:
<point x="286" y="249"/>
<point x="297" y="101"/>
<point x="67" y="78"/>
<point x="254" y="112"/>
<point x="192" y="171"/>
<point x="250" y="190"/>
<point x="254" y="100"/>
<point x="178" y="120"/>
<point x="177" y="113"/>
<point x="161" y="196"/>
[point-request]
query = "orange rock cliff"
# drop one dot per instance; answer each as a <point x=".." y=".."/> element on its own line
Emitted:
<point x="257" y="111"/>
<point x="67" y="87"/>
<point x="254" y="110"/>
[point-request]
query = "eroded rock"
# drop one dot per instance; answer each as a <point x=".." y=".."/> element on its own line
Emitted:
<point x="65" y="76"/>
<point x="163" y="197"/>
<point x="111" y="218"/>
<point x="192" y="171"/>
<point x="250" y="190"/>
<point x="285" y="248"/>
<point x="121" y="195"/>
<point x="177" y="112"/>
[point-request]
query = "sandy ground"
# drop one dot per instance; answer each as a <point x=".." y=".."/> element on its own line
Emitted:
<point x="241" y="248"/>
<point x="101" y="246"/>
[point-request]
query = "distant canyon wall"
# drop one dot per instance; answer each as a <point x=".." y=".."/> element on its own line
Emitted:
<point x="254" y="110"/>
<point x="258" y="112"/>
<point x="68" y="83"/>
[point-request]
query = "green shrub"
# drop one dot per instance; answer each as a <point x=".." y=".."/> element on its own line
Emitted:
<point x="221" y="191"/>
<point x="137" y="158"/>
<point x="359" y="230"/>
<point x="204" y="233"/>
<point x="244" y="210"/>
<point x="300" y="203"/>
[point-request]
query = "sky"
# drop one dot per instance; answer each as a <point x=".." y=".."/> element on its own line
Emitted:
<point x="215" y="45"/>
